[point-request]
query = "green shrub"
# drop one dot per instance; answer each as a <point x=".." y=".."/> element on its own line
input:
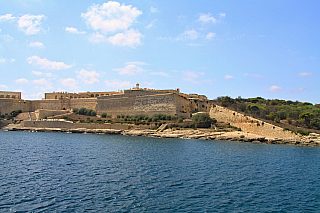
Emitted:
<point x="202" y="120"/>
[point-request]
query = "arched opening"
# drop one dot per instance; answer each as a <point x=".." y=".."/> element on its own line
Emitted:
<point x="92" y="95"/>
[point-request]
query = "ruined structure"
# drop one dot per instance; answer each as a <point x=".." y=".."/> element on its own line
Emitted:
<point x="127" y="102"/>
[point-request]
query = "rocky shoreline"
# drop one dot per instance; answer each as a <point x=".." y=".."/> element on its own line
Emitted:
<point x="199" y="134"/>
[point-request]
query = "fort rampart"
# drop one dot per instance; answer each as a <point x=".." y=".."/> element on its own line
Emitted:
<point x="249" y="124"/>
<point x="70" y="125"/>
<point x="128" y="102"/>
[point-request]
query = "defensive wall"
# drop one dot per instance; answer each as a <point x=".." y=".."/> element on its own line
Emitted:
<point x="249" y="124"/>
<point x="8" y="105"/>
<point x="43" y="113"/>
<point x="134" y="105"/>
<point x="127" y="102"/>
<point x="68" y="95"/>
<point x="70" y="125"/>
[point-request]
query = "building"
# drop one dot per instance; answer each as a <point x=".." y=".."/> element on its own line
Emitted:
<point x="125" y="102"/>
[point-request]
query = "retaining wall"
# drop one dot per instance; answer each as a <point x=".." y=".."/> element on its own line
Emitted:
<point x="249" y="124"/>
<point x="70" y="125"/>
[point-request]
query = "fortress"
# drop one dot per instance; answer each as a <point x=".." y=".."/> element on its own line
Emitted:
<point x="127" y="102"/>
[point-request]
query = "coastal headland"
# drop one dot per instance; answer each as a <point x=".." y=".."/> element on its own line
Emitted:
<point x="112" y="113"/>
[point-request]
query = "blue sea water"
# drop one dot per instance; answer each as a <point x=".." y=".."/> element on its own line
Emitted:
<point x="58" y="172"/>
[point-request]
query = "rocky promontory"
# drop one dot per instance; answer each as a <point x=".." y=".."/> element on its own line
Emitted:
<point x="200" y="134"/>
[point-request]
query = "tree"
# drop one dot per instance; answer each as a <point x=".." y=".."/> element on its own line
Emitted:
<point x="203" y="120"/>
<point x="307" y="117"/>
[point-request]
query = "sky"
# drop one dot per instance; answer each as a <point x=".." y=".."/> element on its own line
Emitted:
<point x="244" y="48"/>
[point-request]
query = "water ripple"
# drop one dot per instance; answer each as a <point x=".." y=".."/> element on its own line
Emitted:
<point x="55" y="172"/>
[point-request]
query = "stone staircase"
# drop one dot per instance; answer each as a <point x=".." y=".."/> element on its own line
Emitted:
<point x="162" y="127"/>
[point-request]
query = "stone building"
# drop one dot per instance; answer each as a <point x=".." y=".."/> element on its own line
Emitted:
<point x="126" y="102"/>
<point x="11" y="95"/>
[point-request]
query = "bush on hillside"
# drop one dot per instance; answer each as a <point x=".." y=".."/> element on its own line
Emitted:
<point x="202" y="120"/>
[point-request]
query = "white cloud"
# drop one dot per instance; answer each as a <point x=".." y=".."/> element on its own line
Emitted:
<point x="70" y="82"/>
<point x="118" y="84"/>
<point x="97" y="38"/>
<point x="206" y="18"/>
<point x="160" y="73"/>
<point x="254" y="75"/>
<point x="20" y="90"/>
<point x="7" y="37"/>
<point x="195" y="44"/>
<point x="46" y="84"/>
<point x="12" y="60"/>
<point x="74" y="30"/>
<point x="304" y="74"/>
<point x="46" y="64"/>
<point x="274" y="89"/>
<point x="190" y="75"/>
<point x="111" y="16"/>
<point x="188" y="34"/>
<point x="36" y="44"/>
<point x="129" y="38"/>
<point x="36" y="72"/>
<point x="297" y="90"/>
<point x="7" y="17"/>
<point x="22" y="81"/>
<point x="222" y="15"/>
<point x="41" y="81"/>
<point x="38" y="95"/>
<point x="193" y="77"/>
<point x="3" y="86"/>
<point x="88" y="77"/>
<point x="210" y="35"/>
<point x="154" y="10"/>
<point x="30" y="24"/>
<point x="130" y="69"/>
<point x="228" y="77"/>
<point x="2" y="60"/>
<point x="151" y="24"/>
<point x="139" y="63"/>
<point x="49" y="74"/>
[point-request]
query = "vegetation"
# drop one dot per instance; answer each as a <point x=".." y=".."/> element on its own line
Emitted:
<point x="84" y="111"/>
<point x="105" y="115"/>
<point x="202" y="120"/>
<point x="303" y="114"/>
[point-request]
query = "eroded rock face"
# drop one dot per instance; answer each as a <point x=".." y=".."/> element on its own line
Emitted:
<point x="185" y="134"/>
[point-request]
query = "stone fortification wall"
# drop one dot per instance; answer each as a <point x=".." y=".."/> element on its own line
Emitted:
<point x="70" y="125"/>
<point x="8" y="105"/>
<point x="133" y="93"/>
<point x="249" y="124"/>
<point x="149" y="105"/>
<point x="5" y="123"/>
<point x="64" y="104"/>
<point x="67" y="95"/>
<point x="43" y="113"/>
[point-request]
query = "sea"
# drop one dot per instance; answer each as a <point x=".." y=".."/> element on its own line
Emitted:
<point x="60" y="172"/>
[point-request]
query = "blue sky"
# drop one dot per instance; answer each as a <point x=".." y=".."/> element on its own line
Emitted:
<point x="242" y="48"/>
